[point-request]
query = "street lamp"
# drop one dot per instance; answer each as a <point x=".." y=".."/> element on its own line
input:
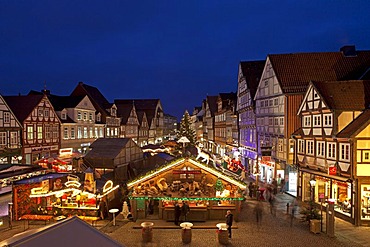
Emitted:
<point x="313" y="183"/>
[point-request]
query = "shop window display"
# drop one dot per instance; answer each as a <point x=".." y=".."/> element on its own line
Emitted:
<point x="365" y="202"/>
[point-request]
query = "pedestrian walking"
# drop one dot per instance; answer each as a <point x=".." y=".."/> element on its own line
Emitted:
<point x="272" y="201"/>
<point x="282" y="185"/>
<point x="274" y="186"/>
<point x="229" y="221"/>
<point x="177" y="213"/>
<point x="258" y="211"/>
<point x="250" y="188"/>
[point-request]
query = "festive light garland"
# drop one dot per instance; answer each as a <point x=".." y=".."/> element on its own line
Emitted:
<point x="166" y="198"/>
<point x="166" y="167"/>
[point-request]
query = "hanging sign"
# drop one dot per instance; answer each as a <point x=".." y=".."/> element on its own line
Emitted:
<point x="332" y="170"/>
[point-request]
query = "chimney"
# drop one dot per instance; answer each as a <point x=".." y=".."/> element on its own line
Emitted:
<point x="348" y="50"/>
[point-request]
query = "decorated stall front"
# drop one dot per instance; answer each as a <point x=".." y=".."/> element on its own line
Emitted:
<point x="208" y="192"/>
<point x="58" y="195"/>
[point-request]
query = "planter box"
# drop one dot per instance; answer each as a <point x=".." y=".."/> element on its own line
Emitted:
<point x="315" y="226"/>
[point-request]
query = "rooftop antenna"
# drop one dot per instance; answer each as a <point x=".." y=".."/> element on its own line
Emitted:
<point x="44" y="86"/>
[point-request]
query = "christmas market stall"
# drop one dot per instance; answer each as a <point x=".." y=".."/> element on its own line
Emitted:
<point x="208" y="192"/>
<point x="60" y="195"/>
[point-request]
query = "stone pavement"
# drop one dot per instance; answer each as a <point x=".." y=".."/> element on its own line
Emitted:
<point x="273" y="231"/>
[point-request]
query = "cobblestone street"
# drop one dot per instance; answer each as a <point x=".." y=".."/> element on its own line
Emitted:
<point x="274" y="231"/>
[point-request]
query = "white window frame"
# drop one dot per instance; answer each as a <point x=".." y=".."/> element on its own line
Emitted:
<point x="307" y="121"/>
<point x="331" y="150"/>
<point x="39" y="132"/>
<point x="309" y="147"/>
<point x="301" y="146"/>
<point x="320" y="147"/>
<point x="13" y="139"/>
<point x="328" y="120"/>
<point x="317" y="121"/>
<point x="65" y="133"/>
<point x="344" y="151"/>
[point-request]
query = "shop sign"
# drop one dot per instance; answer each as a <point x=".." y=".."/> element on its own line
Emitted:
<point x="332" y="170"/>
<point x="266" y="151"/>
<point x="186" y="171"/>
<point x="321" y="196"/>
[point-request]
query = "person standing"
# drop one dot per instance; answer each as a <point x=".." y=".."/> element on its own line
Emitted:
<point x="229" y="221"/>
<point x="177" y="213"/>
<point x="185" y="210"/>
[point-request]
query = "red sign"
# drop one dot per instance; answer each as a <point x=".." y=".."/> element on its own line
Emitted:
<point x="332" y="170"/>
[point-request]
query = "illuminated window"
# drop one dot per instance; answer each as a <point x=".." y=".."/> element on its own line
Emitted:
<point x="39" y="132"/>
<point x="14" y="139"/>
<point x="3" y="139"/>
<point x="65" y="133"/>
<point x="30" y="132"/>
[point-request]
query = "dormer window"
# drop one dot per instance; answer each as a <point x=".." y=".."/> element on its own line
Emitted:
<point x="63" y="116"/>
<point x="113" y="112"/>
<point x="98" y="117"/>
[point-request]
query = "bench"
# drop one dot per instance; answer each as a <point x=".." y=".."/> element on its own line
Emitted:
<point x="35" y="217"/>
<point x="91" y="219"/>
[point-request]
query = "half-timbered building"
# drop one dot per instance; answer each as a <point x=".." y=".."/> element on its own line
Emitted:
<point x="10" y="135"/>
<point x="41" y="126"/>
<point x="331" y="143"/>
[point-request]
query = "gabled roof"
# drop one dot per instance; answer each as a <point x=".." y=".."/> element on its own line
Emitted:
<point x="107" y="147"/>
<point x="140" y="116"/>
<point x="228" y="100"/>
<point x="99" y="101"/>
<point x="212" y="104"/>
<point x="22" y="106"/>
<point x="294" y="71"/>
<point x="335" y="93"/>
<point x="70" y="232"/>
<point x="180" y="162"/>
<point x="105" y="150"/>
<point x="149" y="106"/>
<point x="252" y="72"/>
<point x="61" y="102"/>
<point x="124" y="111"/>
<point x="356" y="126"/>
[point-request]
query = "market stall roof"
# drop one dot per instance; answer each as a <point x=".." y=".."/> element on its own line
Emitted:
<point x="41" y="178"/>
<point x="70" y="232"/>
<point x="181" y="161"/>
<point x="8" y="170"/>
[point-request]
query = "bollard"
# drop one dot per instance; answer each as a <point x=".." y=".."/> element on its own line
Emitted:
<point x="287" y="208"/>
<point x="222" y="234"/>
<point x="186" y="232"/>
<point x="147" y="231"/>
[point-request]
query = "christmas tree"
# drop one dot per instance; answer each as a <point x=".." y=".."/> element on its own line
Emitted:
<point x="187" y="130"/>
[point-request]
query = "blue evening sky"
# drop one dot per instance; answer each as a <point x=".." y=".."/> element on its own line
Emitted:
<point x="177" y="51"/>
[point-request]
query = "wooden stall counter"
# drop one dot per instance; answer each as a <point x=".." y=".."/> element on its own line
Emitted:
<point x="196" y="213"/>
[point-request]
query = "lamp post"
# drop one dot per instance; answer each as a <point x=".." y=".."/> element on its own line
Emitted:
<point x="312" y="183"/>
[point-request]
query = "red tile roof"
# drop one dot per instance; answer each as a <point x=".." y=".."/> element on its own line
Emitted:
<point x="294" y="71"/>
<point x="345" y="95"/>
<point x="22" y="106"/>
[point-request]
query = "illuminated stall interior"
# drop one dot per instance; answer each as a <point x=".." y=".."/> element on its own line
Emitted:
<point x="208" y="192"/>
<point x="59" y="194"/>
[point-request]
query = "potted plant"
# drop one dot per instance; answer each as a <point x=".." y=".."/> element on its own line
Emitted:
<point x="311" y="215"/>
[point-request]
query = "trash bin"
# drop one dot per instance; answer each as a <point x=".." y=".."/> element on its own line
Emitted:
<point x="186" y="232"/>
<point x="315" y="226"/>
<point x="147" y="231"/>
<point x="222" y="234"/>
